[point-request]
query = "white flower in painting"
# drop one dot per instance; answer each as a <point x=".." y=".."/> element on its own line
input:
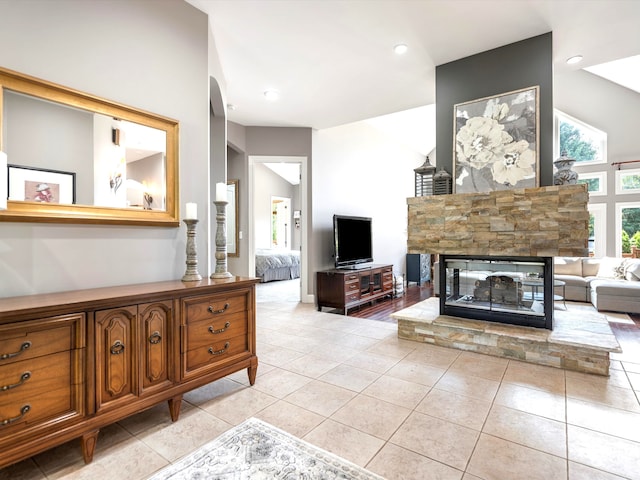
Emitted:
<point x="480" y="142"/>
<point x="496" y="110"/>
<point x="517" y="163"/>
<point x="462" y="176"/>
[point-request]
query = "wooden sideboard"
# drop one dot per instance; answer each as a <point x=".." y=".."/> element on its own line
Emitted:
<point x="345" y="288"/>
<point x="74" y="362"/>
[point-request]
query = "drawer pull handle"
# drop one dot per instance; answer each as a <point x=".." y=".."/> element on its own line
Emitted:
<point x="155" y="338"/>
<point x="217" y="312"/>
<point x="23" y="411"/>
<point x="219" y="352"/>
<point x="23" y="347"/>
<point x="220" y="330"/>
<point x="117" y="348"/>
<point x="23" y="378"/>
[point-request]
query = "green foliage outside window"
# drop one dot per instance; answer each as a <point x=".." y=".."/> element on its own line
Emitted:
<point x="593" y="184"/>
<point x="631" y="220"/>
<point x="635" y="240"/>
<point x="631" y="182"/>
<point x="626" y="242"/>
<point x="575" y="145"/>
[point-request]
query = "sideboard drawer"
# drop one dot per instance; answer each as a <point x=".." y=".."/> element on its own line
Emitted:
<point x="214" y="306"/>
<point x="34" y="408"/>
<point x="34" y="341"/>
<point x="204" y="332"/>
<point x="217" y="352"/>
<point x="30" y="378"/>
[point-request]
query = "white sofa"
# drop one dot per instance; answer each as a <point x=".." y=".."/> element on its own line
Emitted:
<point x="609" y="283"/>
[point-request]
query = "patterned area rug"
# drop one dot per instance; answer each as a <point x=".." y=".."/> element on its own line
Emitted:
<point x="258" y="451"/>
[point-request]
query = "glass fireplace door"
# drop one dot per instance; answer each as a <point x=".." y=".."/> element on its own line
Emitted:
<point x="506" y="290"/>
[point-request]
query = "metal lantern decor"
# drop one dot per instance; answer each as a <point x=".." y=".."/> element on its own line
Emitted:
<point x="424" y="178"/>
<point x="442" y="183"/>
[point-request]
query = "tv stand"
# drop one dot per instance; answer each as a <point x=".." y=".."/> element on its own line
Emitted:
<point x="348" y="288"/>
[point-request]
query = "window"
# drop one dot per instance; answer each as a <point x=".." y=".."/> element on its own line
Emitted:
<point x="582" y="142"/>
<point x="628" y="181"/>
<point x="596" y="182"/>
<point x="597" y="229"/>
<point x="628" y="226"/>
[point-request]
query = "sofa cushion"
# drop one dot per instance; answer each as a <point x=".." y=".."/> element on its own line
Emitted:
<point x="567" y="266"/>
<point x="616" y="288"/>
<point x="573" y="280"/>
<point x="590" y="266"/>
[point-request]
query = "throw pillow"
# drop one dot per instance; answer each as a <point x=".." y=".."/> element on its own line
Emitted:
<point x="567" y="266"/>
<point x="610" y="268"/>
<point x="632" y="270"/>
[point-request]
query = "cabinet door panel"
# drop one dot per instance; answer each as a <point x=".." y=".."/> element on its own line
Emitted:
<point x="116" y="355"/>
<point x="154" y="343"/>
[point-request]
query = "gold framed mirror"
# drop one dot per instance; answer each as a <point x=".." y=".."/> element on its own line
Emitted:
<point x="96" y="161"/>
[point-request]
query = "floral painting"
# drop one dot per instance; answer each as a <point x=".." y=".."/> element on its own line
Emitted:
<point x="496" y="143"/>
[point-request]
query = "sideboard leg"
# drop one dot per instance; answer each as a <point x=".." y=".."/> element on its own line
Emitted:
<point x="174" y="407"/>
<point x="88" y="443"/>
<point x="251" y="371"/>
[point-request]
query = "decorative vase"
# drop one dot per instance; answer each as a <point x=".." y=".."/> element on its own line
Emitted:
<point x="564" y="175"/>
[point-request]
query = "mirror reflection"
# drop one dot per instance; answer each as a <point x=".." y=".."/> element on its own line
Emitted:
<point x="77" y="158"/>
<point x="116" y="163"/>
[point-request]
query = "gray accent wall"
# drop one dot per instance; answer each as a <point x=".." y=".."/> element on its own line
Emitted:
<point x="512" y="67"/>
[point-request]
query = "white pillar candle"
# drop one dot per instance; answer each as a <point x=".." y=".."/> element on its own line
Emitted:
<point x="221" y="192"/>
<point x="3" y="181"/>
<point x="192" y="211"/>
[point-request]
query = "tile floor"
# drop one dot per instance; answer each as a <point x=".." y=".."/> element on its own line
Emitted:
<point x="401" y="409"/>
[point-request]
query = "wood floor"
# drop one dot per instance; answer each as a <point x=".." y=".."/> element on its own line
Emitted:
<point x="382" y="309"/>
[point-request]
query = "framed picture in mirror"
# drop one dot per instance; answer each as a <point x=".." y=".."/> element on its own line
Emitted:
<point x="41" y="185"/>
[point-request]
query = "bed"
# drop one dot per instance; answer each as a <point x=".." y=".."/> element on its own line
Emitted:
<point x="277" y="265"/>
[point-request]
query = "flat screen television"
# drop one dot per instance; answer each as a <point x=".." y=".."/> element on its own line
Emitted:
<point x="352" y="241"/>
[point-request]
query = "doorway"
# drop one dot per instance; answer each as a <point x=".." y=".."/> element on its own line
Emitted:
<point x="297" y="237"/>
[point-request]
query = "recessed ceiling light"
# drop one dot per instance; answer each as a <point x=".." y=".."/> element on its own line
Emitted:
<point x="574" y="59"/>
<point x="271" y="95"/>
<point x="400" y="49"/>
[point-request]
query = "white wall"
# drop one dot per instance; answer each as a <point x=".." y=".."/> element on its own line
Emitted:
<point x="150" y="55"/>
<point x="358" y="171"/>
<point x="614" y="110"/>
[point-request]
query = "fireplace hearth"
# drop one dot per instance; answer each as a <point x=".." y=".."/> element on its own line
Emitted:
<point x="514" y="290"/>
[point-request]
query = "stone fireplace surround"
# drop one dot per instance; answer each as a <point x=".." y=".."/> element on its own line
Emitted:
<point x="532" y="222"/>
<point x="540" y="222"/>
<point x="535" y="222"/>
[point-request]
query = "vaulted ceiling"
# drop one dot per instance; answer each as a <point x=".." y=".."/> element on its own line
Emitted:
<point x="332" y="61"/>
